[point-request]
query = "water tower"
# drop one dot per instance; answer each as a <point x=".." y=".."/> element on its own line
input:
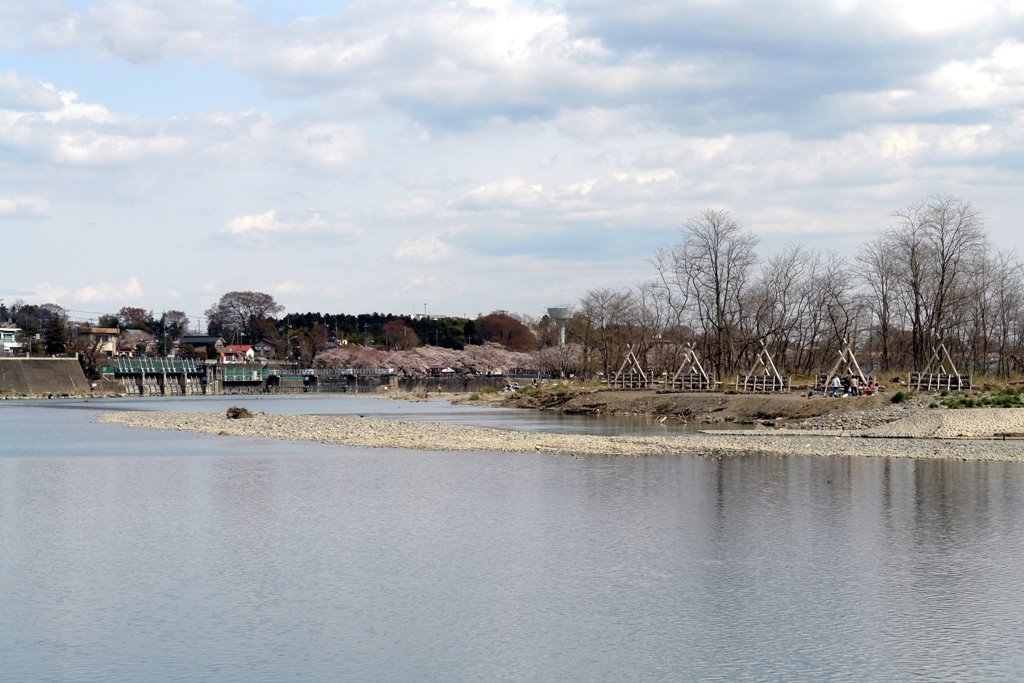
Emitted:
<point x="561" y="316"/>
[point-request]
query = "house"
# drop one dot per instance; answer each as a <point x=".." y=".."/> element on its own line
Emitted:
<point x="198" y="341"/>
<point x="9" y="344"/>
<point x="103" y="339"/>
<point x="134" y="341"/>
<point x="264" y="350"/>
<point x="237" y="353"/>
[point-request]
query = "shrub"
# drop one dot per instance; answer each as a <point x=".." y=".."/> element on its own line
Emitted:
<point x="898" y="397"/>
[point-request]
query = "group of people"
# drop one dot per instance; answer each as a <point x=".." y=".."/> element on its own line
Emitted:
<point x="849" y="386"/>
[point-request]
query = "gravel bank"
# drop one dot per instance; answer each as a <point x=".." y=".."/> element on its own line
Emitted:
<point x="862" y="419"/>
<point x="900" y="439"/>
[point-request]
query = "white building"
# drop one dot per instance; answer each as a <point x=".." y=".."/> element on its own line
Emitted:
<point x="9" y="344"/>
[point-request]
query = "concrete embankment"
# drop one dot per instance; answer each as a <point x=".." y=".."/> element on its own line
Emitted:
<point x="29" y="377"/>
<point x="377" y="433"/>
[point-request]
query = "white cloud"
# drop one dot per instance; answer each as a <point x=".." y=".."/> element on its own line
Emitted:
<point x="104" y="292"/>
<point x="657" y="176"/>
<point x="94" y="148"/>
<point x="991" y="81"/>
<point x="409" y="208"/>
<point x="68" y="131"/>
<point x="26" y="94"/>
<point x="111" y="294"/>
<point x="289" y="287"/>
<point x="56" y="126"/>
<point x="325" y="145"/>
<point x="511" y="193"/>
<point x="493" y="128"/>
<point x="429" y="249"/>
<point x="265" y="226"/>
<point x="58" y="32"/>
<point x="421" y="283"/>
<point x="940" y="16"/>
<point x="24" y="207"/>
<point x="149" y="31"/>
<point x="262" y="223"/>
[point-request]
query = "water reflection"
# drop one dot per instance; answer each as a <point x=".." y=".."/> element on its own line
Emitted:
<point x="134" y="555"/>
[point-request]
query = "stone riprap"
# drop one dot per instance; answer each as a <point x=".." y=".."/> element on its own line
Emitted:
<point x="912" y="437"/>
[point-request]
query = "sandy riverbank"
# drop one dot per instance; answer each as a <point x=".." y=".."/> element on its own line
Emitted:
<point x="931" y="434"/>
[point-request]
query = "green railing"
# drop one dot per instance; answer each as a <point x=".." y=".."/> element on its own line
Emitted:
<point x="244" y="373"/>
<point x="153" y="366"/>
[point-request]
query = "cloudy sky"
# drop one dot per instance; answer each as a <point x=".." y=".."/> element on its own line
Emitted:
<point x="473" y="155"/>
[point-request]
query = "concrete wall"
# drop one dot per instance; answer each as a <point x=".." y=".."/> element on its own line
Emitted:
<point x="42" y="377"/>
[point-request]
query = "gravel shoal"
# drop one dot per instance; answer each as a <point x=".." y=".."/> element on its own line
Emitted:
<point x="945" y="424"/>
<point x="377" y="433"/>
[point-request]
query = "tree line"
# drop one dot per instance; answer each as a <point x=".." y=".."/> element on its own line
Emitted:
<point x="248" y="317"/>
<point x="931" y="276"/>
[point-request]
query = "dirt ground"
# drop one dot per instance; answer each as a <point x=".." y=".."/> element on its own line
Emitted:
<point x="706" y="408"/>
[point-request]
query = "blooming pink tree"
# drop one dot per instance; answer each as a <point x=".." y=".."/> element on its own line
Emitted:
<point x="426" y="360"/>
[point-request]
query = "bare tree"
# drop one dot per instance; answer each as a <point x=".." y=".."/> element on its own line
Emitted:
<point x="91" y="354"/>
<point x="955" y="232"/>
<point x="997" y="297"/>
<point x="878" y="273"/>
<point x="398" y="336"/>
<point x="134" y="318"/>
<point x="242" y="313"/>
<point x="1009" y="287"/>
<point x="650" y="315"/>
<point x="776" y="300"/>
<point x="717" y="256"/>
<point x="841" y="308"/>
<point x="672" y="286"/>
<point x="604" y="318"/>
<point x="174" y="323"/>
<point x="934" y="242"/>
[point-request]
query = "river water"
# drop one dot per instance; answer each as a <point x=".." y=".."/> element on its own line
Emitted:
<point x="161" y="556"/>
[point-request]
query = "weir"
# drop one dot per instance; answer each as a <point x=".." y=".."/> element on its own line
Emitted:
<point x="186" y="377"/>
<point x="159" y="376"/>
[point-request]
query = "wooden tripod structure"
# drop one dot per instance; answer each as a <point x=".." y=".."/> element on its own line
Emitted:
<point x="845" y="366"/>
<point x="940" y="379"/>
<point x="764" y="377"/>
<point x="690" y="375"/>
<point x="631" y="374"/>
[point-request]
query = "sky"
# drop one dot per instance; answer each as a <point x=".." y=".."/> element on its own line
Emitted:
<point x="460" y="157"/>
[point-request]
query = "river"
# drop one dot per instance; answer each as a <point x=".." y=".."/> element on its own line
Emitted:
<point x="165" y="556"/>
